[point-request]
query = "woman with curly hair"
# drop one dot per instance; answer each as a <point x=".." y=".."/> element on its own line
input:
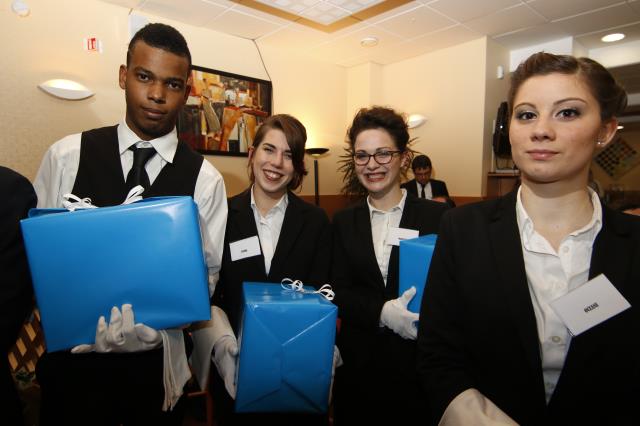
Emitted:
<point x="378" y="382"/>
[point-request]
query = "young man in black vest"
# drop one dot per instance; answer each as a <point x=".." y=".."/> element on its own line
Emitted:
<point x="109" y="385"/>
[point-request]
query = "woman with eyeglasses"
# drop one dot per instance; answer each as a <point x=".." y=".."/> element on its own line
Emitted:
<point x="378" y="381"/>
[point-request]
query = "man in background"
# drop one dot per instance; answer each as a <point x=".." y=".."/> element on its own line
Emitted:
<point x="422" y="186"/>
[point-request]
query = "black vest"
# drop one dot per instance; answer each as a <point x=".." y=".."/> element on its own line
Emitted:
<point x="100" y="175"/>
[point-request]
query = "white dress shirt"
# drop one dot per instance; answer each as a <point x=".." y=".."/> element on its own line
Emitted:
<point x="59" y="168"/>
<point x="428" y="193"/>
<point x="552" y="274"/>
<point x="269" y="227"/>
<point x="381" y="222"/>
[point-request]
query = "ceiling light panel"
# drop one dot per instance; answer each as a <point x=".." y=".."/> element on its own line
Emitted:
<point x="321" y="11"/>
<point x="325" y="13"/>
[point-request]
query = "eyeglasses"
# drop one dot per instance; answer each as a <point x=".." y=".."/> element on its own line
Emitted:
<point x="381" y="157"/>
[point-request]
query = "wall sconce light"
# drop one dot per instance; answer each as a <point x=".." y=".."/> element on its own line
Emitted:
<point x="416" y="120"/>
<point x="20" y="8"/>
<point x="315" y="153"/>
<point x="65" y="89"/>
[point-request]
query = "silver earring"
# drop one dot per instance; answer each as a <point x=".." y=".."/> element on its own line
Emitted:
<point x="600" y="143"/>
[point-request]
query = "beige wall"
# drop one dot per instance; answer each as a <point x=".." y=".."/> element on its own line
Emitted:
<point x="447" y="86"/>
<point x="631" y="180"/>
<point x="48" y="43"/>
<point x="496" y="91"/>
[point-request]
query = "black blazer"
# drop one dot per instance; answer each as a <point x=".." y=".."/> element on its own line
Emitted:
<point x="374" y="357"/>
<point x="303" y="251"/>
<point x="478" y="329"/>
<point x="438" y="187"/>
<point x="16" y="294"/>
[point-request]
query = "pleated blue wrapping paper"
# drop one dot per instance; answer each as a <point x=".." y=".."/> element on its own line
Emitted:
<point x="286" y="350"/>
<point x="148" y="254"/>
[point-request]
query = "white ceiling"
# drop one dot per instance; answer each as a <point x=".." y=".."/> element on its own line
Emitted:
<point x="409" y="30"/>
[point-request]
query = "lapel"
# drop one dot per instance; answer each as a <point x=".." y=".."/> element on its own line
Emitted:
<point x="408" y="220"/>
<point x="411" y="187"/>
<point x="364" y="242"/>
<point x="611" y="257"/>
<point x="505" y="242"/>
<point x="294" y="217"/>
<point x="243" y="225"/>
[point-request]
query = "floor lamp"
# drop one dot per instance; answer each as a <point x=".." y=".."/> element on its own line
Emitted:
<point x="315" y="153"/>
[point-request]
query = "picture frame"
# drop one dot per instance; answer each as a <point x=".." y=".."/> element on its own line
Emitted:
<point x="223" y="111"/>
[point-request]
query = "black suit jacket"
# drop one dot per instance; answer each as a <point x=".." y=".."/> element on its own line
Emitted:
<point x="303" y="251"/>
<point x="438" y="187"/>
<point x="478" y="328"/>
<point x="16" y="294"/>
<point x="376" y="360"/>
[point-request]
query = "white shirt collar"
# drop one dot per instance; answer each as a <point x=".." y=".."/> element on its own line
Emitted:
<point x="280" y="206"/>
<point x="525" y="224"/>
<point x="399" y="206"/>
<point x="164" y="145"/>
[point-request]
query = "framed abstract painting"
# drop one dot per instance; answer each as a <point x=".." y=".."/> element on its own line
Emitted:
<point x="223" y="111"/>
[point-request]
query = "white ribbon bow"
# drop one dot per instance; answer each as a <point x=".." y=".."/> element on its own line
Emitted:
<point x="72" y="202"/>
<point x="296" y="285"/>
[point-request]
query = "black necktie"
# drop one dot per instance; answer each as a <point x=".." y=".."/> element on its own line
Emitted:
<point x="422" y="194"/>
<point x="138" y="175"/>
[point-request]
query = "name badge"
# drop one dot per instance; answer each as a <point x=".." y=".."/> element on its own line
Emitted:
<point x="396" y="235"/>
<point x="590" y="304"/>
<point x="242" y="249"/>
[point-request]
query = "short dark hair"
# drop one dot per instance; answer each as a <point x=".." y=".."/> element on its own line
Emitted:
<point x="421" y="162"/>
<point x="296" y="135"/>
<point x="611" y="97"/>
<point x="163" y="37"/>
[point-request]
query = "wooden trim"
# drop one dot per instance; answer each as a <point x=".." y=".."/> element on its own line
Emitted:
<point x="333" y="203"/>
<point x="345" y="22"/>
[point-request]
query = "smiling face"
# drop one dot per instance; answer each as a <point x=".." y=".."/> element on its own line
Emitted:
<point x="555" y="128"/>
<point x="156" y="87"/>
<point x="378" y="179"/>
<point x="272" y="165"/>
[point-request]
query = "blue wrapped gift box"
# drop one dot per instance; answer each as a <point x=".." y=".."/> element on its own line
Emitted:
<point x="415" y="259"/>
<point x="286" y="350"/>
<point x="148" y="254"/>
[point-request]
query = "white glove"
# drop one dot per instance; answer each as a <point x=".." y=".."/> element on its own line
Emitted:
<point x="225" y="356"/>
<point x="121" y="335"/>
<point x="337" y="362"/>
<point x="398" y="318"/>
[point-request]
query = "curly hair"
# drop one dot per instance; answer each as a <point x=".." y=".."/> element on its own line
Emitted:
<point x="376" y="117"/>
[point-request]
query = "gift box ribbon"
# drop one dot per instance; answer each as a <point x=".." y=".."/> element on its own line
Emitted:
<point x="72" y="202"/>
<point x="296" y="285"/>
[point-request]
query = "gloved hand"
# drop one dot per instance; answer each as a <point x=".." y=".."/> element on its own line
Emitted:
<point x="337" y="362"/>
<point x="225" y="355"/>
<point x="398" y="318"/>
<point x="121" y="334"/>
